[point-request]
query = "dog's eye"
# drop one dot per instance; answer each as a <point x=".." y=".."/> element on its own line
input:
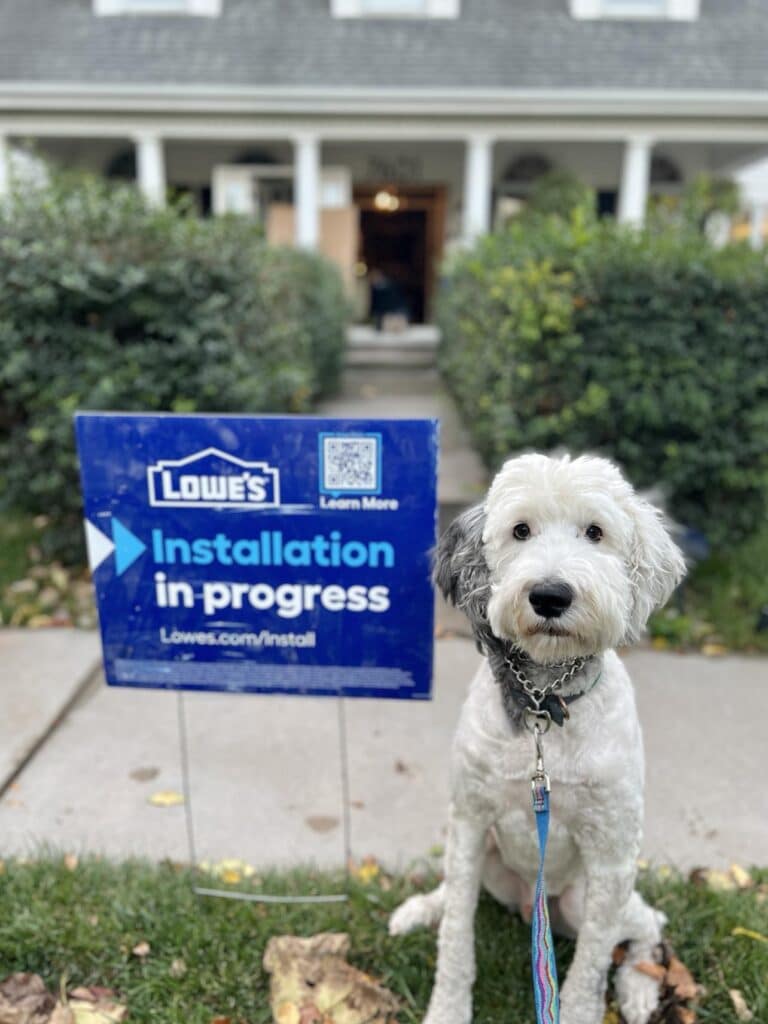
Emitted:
<point x="594" y="533"/>
<point x="522" y="531"/>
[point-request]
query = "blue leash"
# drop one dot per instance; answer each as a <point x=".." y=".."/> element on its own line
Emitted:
<point x="546" y="995"/>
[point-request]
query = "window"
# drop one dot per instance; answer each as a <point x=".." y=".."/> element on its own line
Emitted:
<point x="201" y="8"/>
<point x="395" y="8"/>
<point x="660" y="10"/>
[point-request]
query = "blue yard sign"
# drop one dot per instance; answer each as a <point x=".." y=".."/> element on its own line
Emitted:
<point x="262" y="554"/>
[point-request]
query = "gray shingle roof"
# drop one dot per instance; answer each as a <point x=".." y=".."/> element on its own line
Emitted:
<point x="495" y="44"/>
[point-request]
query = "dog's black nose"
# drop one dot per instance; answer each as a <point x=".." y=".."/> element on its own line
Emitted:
<point x="550" y="599"/>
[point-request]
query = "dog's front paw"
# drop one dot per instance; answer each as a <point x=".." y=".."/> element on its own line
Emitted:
<point x="637" y="994"/>
<point x="417" y="912"/>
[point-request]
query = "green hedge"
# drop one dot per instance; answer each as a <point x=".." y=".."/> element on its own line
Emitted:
<point x="650" y="347"/>
<point x="106" y="303"/>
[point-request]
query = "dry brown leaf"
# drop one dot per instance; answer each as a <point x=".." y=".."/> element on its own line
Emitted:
<point x="312" y="983"/>
<point x="655" y="971"/>
<point x="740" y="1007"/>
<point x="141" y="949"/>
<point x="681" y="980"/>
<point x="619" y="955"/>
<point x="24" y="999"/>
<point x="685" y="1016"/>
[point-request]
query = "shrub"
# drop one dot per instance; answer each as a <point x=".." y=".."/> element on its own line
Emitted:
<point x="106" y="303"/>
<point x="647" y="347"/>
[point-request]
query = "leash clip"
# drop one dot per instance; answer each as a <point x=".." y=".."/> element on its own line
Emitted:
<point x="539" y="779"/>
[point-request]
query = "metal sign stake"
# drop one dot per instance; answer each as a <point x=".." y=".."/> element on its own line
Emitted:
<point x="246" y="897"/>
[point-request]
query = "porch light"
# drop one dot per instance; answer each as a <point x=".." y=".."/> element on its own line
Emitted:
<point x="386" y="201"/>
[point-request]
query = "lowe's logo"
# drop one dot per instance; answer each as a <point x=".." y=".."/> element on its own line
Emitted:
<point x="213" y="479"/>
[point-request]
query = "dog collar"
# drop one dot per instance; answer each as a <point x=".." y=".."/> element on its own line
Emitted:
<point x="522" y="695"/>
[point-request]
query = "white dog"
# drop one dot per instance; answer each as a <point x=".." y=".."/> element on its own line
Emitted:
<point x="562" y="563"/>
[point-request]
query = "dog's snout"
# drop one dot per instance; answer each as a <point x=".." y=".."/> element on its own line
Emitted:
<point x="550" y="599"/>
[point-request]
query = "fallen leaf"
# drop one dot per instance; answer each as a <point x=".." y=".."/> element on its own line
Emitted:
<point x="619" y="955"/>
<point x="166" y="798"/>
<point x="655" y="971"/>
<point x="612" y="1016"/>
<point x="322" y="822"/>
<point x="144" y="774"/>
<point x="220" y="1020"/>
<point x="749" y="934"/>
<point x="287" y="1013"/>
<point x="178" y="968"/>
<point x="312" y="983"/>
<point x="681" y="980"/>
<point x="740" y="1007"/>
<point x="141" y="949"/>
<point x="720" y="881"/>
<point x="366" y="871"/>
<point x="713" y="650"/>
<point x="71" y="861"/>
<point x="742" y="878"/>
<point x="25" y="999"/>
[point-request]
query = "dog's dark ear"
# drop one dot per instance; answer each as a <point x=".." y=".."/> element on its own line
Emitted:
<point x="460" y="569"/>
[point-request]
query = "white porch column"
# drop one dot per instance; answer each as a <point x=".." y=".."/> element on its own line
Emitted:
<point x="478" y="181"/>
<point x="306" y="189"/>
<point x="635" y="180"/>
<point x="5" y="166"/>
<point x="150" y="168"/>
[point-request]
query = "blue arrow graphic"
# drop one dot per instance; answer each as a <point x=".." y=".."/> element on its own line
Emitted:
<point x="128" y="547"/>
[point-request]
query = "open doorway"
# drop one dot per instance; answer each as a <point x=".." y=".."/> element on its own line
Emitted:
<point x="402" y="230"/>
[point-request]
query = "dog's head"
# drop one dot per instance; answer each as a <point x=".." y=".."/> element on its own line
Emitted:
<point x="563" y="558"/>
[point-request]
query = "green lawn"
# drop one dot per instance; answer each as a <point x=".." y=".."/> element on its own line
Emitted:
<point x="81" y="925"/>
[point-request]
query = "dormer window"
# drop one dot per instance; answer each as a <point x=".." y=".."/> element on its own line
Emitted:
<point x="200" y="8"/>
<point x="659" y="10"/>
<point x="395" y="8"/>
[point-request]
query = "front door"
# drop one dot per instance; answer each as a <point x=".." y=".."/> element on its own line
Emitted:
<point x="401" y="240"/>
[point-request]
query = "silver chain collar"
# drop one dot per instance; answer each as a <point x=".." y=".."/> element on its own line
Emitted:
<point x="538" y="694"/>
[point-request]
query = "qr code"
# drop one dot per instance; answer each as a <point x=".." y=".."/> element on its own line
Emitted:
<point x="350" y="463"/>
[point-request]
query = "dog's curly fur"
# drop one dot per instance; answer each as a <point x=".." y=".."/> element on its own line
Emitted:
<point x="617" y="575"/>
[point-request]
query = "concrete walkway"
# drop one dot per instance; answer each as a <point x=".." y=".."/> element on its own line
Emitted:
<point x="265" y="770"/>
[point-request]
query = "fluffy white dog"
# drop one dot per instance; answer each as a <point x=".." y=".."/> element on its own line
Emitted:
<point x="561" y="563"/>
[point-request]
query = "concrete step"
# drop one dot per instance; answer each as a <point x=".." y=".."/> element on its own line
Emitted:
<point x="411" y="348"/>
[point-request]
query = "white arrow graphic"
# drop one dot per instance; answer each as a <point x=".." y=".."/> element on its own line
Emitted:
<point x="99" y="545"/>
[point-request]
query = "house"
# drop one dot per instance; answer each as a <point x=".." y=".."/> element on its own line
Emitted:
<point x="385" y="130"/>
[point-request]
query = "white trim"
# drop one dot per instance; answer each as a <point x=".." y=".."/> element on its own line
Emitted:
<point x="199" y="99"/>
<point x="366" y="129"/>
<point x="405" y="9"/>
<point x="664" y="10"/>
<point x="198" y="8"/>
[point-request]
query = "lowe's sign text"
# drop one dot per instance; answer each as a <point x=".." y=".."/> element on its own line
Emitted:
<point x="262" y="554"/>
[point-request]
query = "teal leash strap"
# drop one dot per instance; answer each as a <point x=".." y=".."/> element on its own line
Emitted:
<point x="546" y="995"/>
